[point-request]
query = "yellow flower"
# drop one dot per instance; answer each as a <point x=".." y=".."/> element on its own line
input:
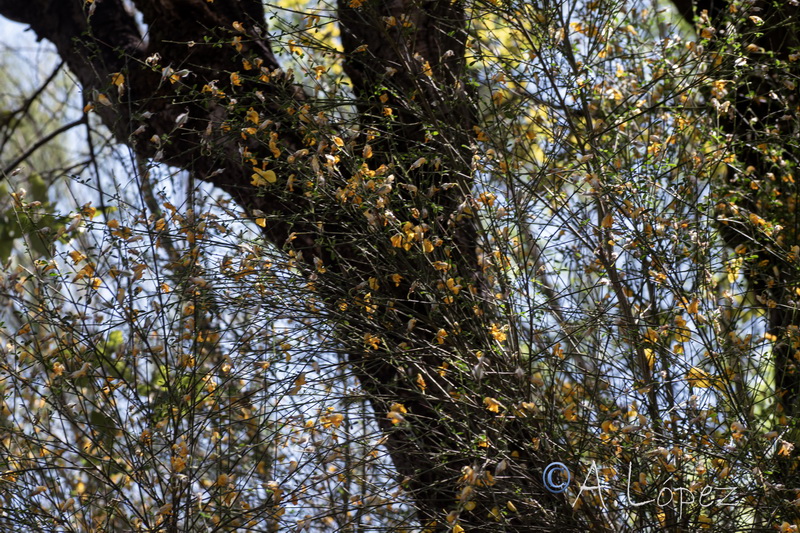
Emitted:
<point x="493" y="405"/>
<point x="372" y="341"/>
<point x="252" y="115"/>
<point x="697" y="377"/>
<point x="261" y="178"/>
<point x="396" y="412"/>
<point x="497" y="332"/>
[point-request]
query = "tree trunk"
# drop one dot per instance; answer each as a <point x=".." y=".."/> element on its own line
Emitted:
<point x="409" y="341"/>
<point x="758" y="210"/>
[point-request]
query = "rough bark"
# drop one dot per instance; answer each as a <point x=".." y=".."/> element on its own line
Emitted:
<point x="762" y="125"/>
<point x="419" y="68"/>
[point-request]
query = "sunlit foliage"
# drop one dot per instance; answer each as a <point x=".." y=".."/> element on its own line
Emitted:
<point x="623" y="304"/>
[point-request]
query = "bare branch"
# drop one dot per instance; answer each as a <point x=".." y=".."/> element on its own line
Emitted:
<point x="38" y="144"/>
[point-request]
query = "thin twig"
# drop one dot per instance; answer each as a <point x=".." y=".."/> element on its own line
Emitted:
<point x="38" y="144"/>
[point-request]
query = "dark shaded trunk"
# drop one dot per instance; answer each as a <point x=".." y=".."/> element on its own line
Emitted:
<point x="759" y="191"/>
<point x="408" y="81"/>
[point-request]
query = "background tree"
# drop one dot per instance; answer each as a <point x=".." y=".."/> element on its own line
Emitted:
<point x="31" y="132"/>
<point x="756" y="48"/>
<point x="476" y="238"/>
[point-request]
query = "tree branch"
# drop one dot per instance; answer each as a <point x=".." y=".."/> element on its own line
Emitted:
<point x="38" y="144"/>
<point x="190" y="106"/>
